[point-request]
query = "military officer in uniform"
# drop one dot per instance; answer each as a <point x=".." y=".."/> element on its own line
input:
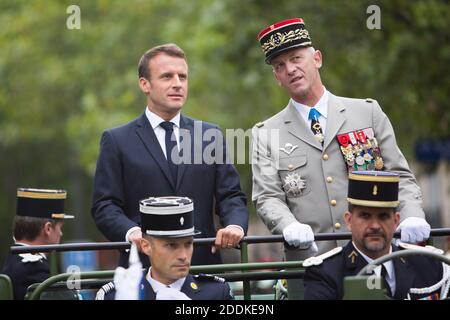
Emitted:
<point x="302" y="155"/>
<point x="168" y="230"/>
<point x="372" y="218"/>
<point x="39" y="220"/>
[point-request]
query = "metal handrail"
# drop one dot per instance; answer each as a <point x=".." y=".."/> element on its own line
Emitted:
<point x="198" y="242"/>
<point x="194" y="269"/>
<point x="398" y="254"/>
<point x="202" y="241"/>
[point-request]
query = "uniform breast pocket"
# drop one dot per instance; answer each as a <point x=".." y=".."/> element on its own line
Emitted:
<point x="293" y="175"/>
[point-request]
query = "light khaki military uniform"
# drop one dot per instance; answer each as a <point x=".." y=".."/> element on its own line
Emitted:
<point x="296" y="179"/>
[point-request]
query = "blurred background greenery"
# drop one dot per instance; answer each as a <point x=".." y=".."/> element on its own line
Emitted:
<point x="60" y="88"/>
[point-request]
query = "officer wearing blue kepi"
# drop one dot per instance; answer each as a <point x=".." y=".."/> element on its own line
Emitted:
<point x="372" y="218"/>
<point x="167" y="225"/>
<point x="38" y="221"/>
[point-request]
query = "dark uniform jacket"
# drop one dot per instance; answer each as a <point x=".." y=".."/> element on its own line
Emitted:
<point x="131" y="166"/>
<point x="24" y="270"/>
<point x="199" y="287"/>
<point x="325" y="281"/>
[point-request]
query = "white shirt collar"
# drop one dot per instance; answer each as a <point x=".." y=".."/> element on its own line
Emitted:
<point x="27" y="245"/>
<point x="21" y="244"/>
<point x="156" y="285"/>
<point x="388" y="264"/>
<point x="156" y="120"/>
<point x="321" y="106"/>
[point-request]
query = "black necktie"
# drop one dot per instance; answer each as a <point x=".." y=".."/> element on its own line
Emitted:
<point x="383" y="277"/>
<point x="171" y="144"/>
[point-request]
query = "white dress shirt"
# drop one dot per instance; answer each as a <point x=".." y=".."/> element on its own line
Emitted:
<point x="389" y="265"/>
<point x="160" y="133"/>
<point x="321" y="106"/>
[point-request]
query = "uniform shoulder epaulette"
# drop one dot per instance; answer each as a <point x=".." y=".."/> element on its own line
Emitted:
<point x="369" y="100"/>
<point x="259" y="124"/>
<point x="203" y="276"/>
<point x="317" y="260"/>
<point x="29" y="257"/>
<point x="107" y="288"/>
<point x="410" y="246"/>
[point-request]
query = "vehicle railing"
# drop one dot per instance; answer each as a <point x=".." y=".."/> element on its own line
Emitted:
<point x="243" y="246"/>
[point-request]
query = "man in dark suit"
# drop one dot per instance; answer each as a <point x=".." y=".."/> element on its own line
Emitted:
<point x="167" y="225"/>
<point x="163" y="153"/>
<point x="39" y="220"/>
<point x="372" y="219"/>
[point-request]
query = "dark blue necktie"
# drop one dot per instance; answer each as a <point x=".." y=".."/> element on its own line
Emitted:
<point x="386" y="283"/>
<point x="171" y="148"/>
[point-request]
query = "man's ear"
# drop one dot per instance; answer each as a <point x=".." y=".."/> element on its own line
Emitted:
<point x="396" y="219"/>
<point x="47" y="228"/>
<point x="144" y="84"/>
<point x="146" y="246"/>
<point x="348" y="220"/>
<point x="318" y="59"/>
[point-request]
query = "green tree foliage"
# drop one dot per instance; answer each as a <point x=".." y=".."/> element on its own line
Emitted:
<point x="60" y="88"/>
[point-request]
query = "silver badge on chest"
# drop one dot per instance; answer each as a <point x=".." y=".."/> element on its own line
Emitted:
<point x="293" y="184"/>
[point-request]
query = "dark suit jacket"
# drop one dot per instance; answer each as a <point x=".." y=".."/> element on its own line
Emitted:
<point x="131" y="166"/>
<point x="200" y="287"/>
<point x="24" y="274"/>
<point x="326" y="280"/>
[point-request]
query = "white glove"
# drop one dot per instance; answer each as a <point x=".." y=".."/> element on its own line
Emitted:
<point x="414" y="230"/>
<point x="299" y="235"/>
<point x="171" y="294"/>
<point x="127" y="281"/>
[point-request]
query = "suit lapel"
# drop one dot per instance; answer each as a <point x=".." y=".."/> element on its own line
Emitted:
<point x="335" y="119"/>
<point x="186" y="129"/>
<point x="148" y="138"/>
<point x="297" y="126"/>
<point x="403" y="278"/>
<point x="146" y="290"/>
<point x="354" y="262"/>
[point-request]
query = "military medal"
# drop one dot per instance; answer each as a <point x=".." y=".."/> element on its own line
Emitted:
<point x="350" y="159"/>
<point x="318" y="129"/>
<point x="360" y="150"/>
<point x="294" y="184"/>
<point x="360" y="161"/>
<point x="379" y="163"/>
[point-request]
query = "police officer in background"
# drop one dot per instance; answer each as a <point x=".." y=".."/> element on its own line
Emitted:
<point x="303" y="154"/>
<point x="39" y="220"/>
<point x="168" y="228"/>
<point x="372" y="218"/>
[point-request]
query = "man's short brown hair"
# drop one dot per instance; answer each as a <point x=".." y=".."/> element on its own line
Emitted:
<point x="28" y="228"/>
<point x="170" y="49"/>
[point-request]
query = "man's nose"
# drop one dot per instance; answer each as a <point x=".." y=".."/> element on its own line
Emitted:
<point x="176" y="82"/>
<point x="291" y="68"/>
<point x="375" y="224"/>
<point x="183" y="255"/>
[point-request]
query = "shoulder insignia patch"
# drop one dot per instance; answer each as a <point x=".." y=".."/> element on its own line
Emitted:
<point x="104" y="290"/>
<point x="203" y="276"/>
<point x="259" y="124"/>
<point x="29" y="257"/>
<point x="409" y="246"/>
<point x="317" y="260"/>
<point x="369" y="100"/>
